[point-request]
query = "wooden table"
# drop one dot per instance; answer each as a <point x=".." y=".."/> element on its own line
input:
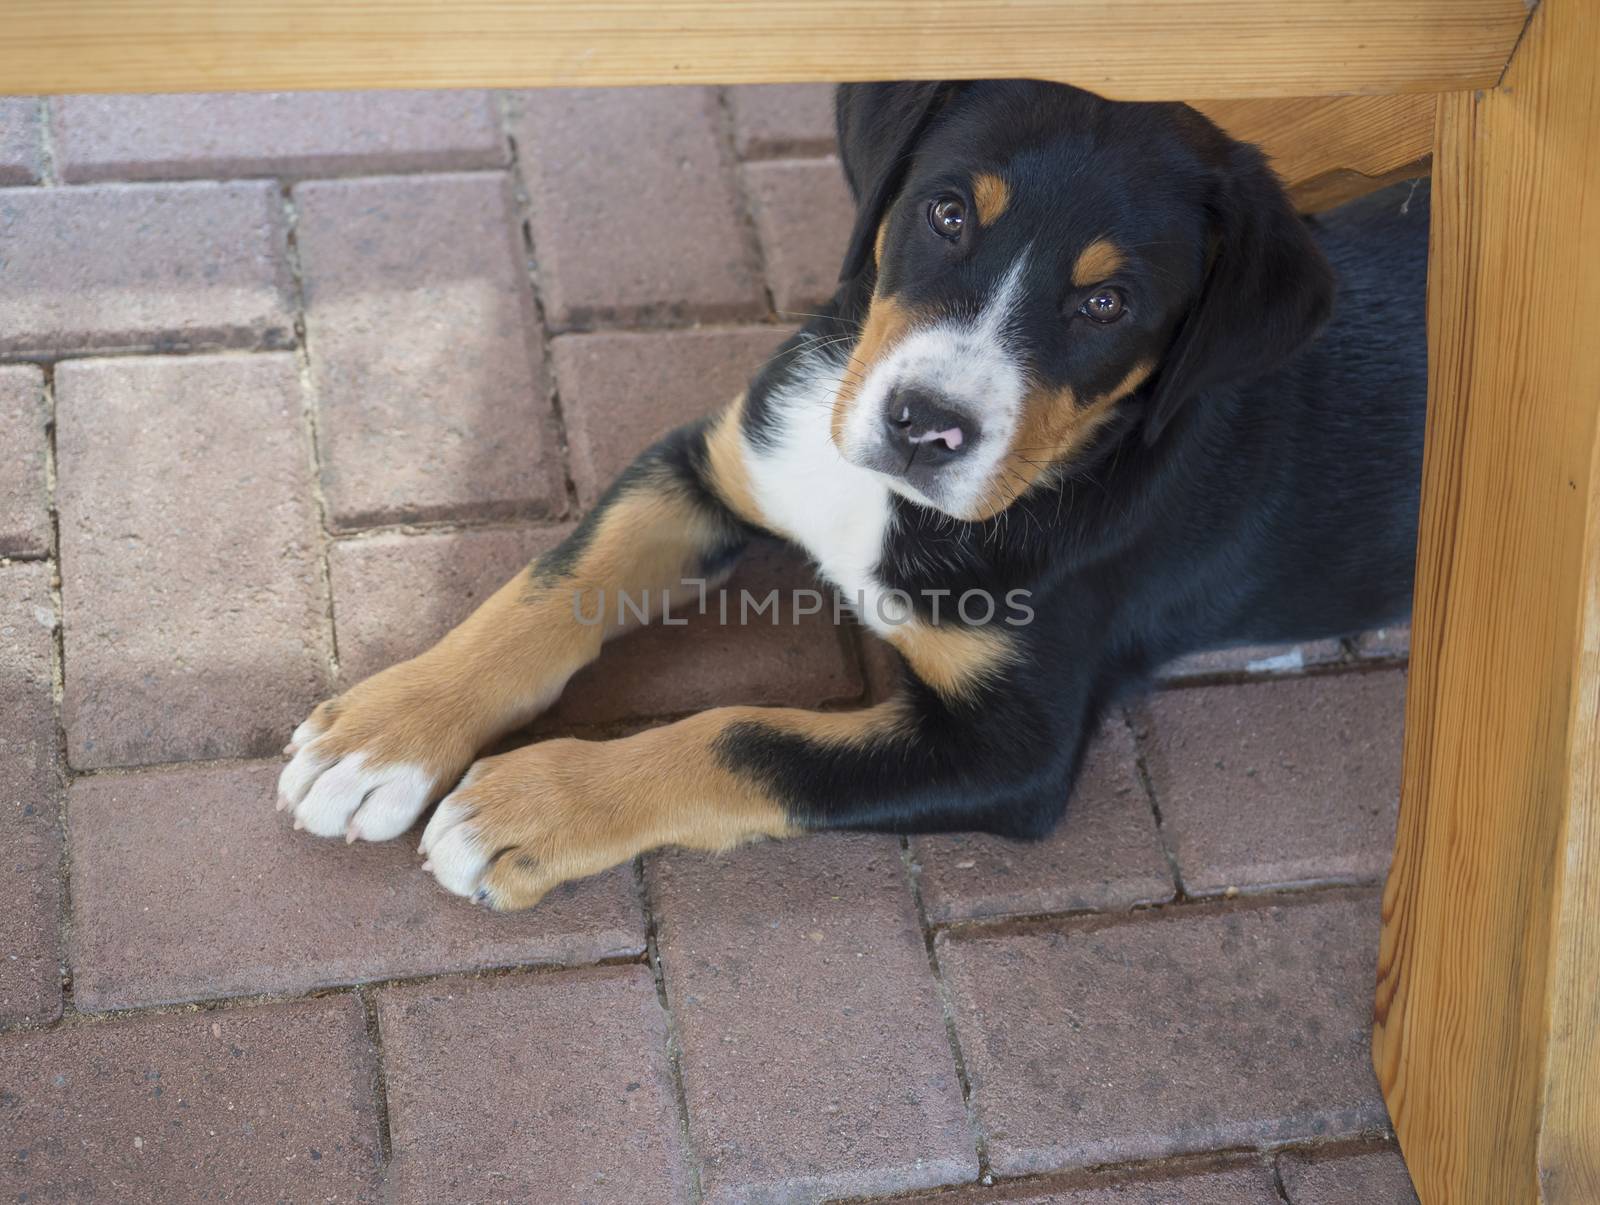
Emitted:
<point x="1487" y="1023"/>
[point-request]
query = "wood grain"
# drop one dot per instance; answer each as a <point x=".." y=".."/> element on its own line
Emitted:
<point x="1487" y="1042"/>
<point x="1332" y="149"/>
<point x="1135" y="49"/>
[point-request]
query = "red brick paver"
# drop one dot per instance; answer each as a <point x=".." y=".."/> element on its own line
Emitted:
<point x="194" y="609"/>
<point x="1279" y="782"/>
<point x="258" y="1104"/>
<point x="424" y="350"/>
<point x="24" y="506"/>
<point x="1161" y="1036"/>
<point x="621" y="390"/>
<point x="395" y="595"/>
<point x="1105" y="854"/>
<point x="21" y="140"/>
<point x="782" y="119"/>
<point x="273" y="133"/>
<point x="1375" y="1178"/>
<point x="635" y="209"/>
<point x="188" y="884"/>
<point x="30" y="843"/>
<point x="143" y="266"/>
<point x="532" y="1088"/>
<point x="814" y="1052"/>
<point x="803" y="213"/>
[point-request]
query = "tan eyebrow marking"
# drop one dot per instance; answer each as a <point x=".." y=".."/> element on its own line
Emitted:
<point x="992" y="195"/>
<point x="1097" y="261"/>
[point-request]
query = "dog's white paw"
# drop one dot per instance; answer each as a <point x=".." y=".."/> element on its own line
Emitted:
<point x="367" y="764"/>
<point x="351" y="797"/>
<point x="455" y="853"/>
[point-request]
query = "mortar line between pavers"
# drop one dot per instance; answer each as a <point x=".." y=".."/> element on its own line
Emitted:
<point x="380" y="1075"/>
<point x="44" y="356"/>
<point x="1275" y="1166"/>
<point x="975" y="1127"/>
<point x="48" y="175"/>
<point x="1241" y="677"/>
<point x="1096" y="1175"/>
<point x="530" y="267"/>
<point x="728" y="149"/>
<point x="433" y="527"/>
<point x="167" y="351"/>
<point x="1142" y="769"/>
<point x="60" y="772"/>
<point x="674" y="1046"/>
<point x="1080" y="921"/>
<point x="311" y="428"/>
<point x="827" y="158"/>
<point x="261" y="174"/>
<point x="78" y="1017"/>
<point x="797" y="151"/>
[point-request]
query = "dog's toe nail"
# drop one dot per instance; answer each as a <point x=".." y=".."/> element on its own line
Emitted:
<point x="427" y="865"/>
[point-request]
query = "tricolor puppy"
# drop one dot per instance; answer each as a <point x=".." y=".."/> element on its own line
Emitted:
<point x="1081" y="363"/>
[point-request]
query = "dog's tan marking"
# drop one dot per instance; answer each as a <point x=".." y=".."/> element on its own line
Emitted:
<point x="1055" y="427"/>
<point x="1096" y="262"/>
<point x="955" y="660"/>
<point x="991" y="194"/>
<point x="565" y="809"/>
<point x="726" y="466"/>
<point x="512" y="656"/>
<point x="887" y="323"/>
<point x="877" y="243"/>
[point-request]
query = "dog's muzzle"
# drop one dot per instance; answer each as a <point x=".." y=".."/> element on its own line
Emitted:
<point x="922" y="434"/>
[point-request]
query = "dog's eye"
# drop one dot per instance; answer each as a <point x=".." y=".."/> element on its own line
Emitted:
<point x="1105" y="304"/>
<point x="947" y="216"/>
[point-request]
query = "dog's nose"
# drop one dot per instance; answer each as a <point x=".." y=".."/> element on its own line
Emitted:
<point x="927" y="426"/>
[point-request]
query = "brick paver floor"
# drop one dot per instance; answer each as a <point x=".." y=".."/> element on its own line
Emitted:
<point x="288" y="384"/>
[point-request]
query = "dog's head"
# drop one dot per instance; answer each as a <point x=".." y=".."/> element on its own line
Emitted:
<point x="1042" y="260"/>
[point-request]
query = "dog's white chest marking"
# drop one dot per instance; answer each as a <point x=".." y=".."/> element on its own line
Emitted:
<point x="839" y="513"/>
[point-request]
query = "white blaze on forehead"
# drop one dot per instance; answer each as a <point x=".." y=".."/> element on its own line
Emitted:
<point x="969" y="361"/>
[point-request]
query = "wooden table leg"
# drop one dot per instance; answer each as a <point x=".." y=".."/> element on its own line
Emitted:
<point x="1487" y="1042"/>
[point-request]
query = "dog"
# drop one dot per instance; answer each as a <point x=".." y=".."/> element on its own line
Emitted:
<point x="1085" y="357"/>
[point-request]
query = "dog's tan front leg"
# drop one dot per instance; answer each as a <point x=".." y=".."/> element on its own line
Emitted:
<point x="525" y="821"/>
<point x="367" y="763"/>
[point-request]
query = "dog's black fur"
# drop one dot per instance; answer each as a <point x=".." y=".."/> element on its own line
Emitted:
<point x="1261" y="486"/>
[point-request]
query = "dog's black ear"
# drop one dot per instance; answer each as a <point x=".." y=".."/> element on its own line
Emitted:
<point x="879" y="126"/>
<point x="1267" y="289"/>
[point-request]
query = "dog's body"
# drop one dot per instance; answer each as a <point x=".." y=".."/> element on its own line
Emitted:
<point x="1072" y="362"/>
